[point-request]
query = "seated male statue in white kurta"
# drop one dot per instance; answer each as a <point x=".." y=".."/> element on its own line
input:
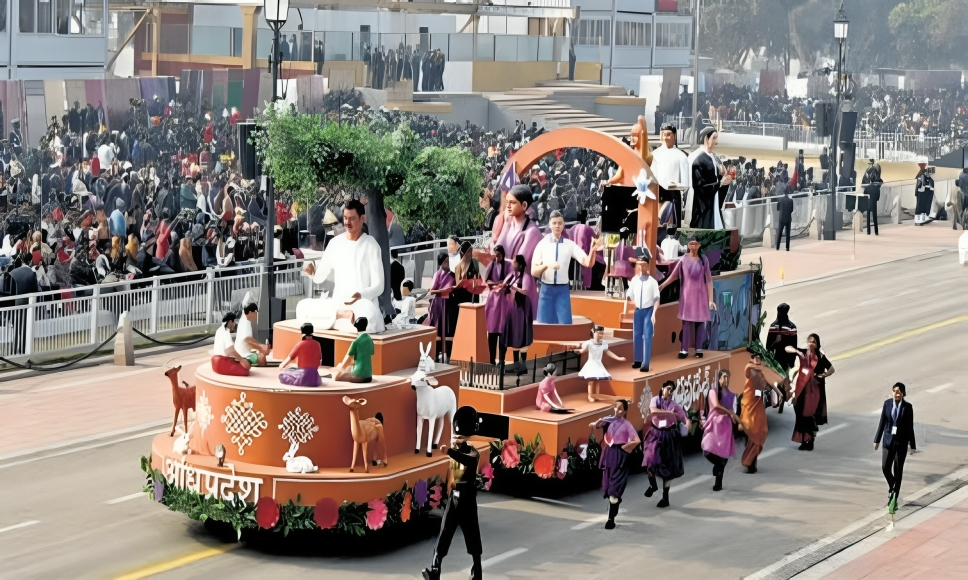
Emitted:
<point x="354" y="260"/>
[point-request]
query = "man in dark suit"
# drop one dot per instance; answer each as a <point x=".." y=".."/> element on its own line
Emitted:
<point x="897" y="429"/>
<point x="784" y="208"/>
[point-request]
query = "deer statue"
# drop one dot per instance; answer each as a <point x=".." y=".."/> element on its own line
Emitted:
<point x="182" y="397"/>
<point x="432" y="405"/>
<point x="365" y="432"/>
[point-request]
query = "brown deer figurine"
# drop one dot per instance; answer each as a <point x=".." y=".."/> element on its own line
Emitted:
<point x="365" y="432"/>
<point x="182" y="397"/>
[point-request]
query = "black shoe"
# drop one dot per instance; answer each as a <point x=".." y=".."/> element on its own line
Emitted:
<point x="431" y="573"/>
<point x="751" y="469"/>
<point x="477" y="572"/>
<point x="664" y="502"/>
<point x="683" y="354"/>
<point x="644" y="369"/>
<point x="698" y="355"/>
<point x="802" y="447"/>
<point x="612" y="512"/>
<point x="810" y="445"/>
<point x="636" y="364"/>
<point x="719" y="482"/>
<point x="651" y="490"/>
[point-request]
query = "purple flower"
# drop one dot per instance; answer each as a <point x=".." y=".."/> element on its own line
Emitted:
<point x="420" y="492"/>
<point x="158" y="487"/>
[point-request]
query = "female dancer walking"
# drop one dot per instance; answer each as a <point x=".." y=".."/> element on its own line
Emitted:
<point x="661" y="452"/>
<point x="618" y="440"/>
<point x="717" y="437"/>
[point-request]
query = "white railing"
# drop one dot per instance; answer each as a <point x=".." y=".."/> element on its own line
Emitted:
<point x="63" y="321"/>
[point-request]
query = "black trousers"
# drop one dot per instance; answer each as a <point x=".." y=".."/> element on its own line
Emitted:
<point x="872" y="216"/>
<point x="892" y="462"/>
<point x="676" y="198"/>
<point x="779" y="235"/>
<point x="460" y="513"/>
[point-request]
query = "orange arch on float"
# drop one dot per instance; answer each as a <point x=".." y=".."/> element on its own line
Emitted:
<point x="624" y="156"/>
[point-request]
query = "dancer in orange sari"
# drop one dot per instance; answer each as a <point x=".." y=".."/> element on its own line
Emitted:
<point x="806" y="393"/>
<point x="753" y="412"/>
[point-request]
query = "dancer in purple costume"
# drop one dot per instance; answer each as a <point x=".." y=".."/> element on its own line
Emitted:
<point x="661" y="452"/>
<point x="618" y="441"/>
<point x="717" y="428"/>
<point x="496" y="306"/>
<point x="440" y="289"/>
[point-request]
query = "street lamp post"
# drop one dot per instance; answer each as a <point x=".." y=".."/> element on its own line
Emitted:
<point x="275" y="12"/>
<point x="841" y="25"/>
<point x="695" y="72"/>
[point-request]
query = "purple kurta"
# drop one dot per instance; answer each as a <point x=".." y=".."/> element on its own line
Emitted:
<point x="694" y="275"/>
<point x="521" y="241"/>
<point x="496" y="307"/>
<point x="300" y="377"/>
<point x="614" y="460"/>
<point x="717" y="436"/>
<point x="582" y="235"/>
<point x="661" y="452"/>
<point x="437" y="317"/>
<point x="519" y="325"/>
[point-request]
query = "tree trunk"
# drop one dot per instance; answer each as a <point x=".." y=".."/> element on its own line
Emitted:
<point x="376" y="223"/>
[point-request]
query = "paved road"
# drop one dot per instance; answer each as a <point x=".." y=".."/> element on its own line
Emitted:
<point x="795" y="499"/>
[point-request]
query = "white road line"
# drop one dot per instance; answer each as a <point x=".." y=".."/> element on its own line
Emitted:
<point x="821" y="543"/>
<point x="695" y="481"/>
<point x="499" y="558"/>
<point x="18" y="526"/>
<point x="125" y="498"/>
<point x="87" y="439"/>
<point x="590" y="522"/>
<point x="877" y="412"/>
<point x="557" y="502"/>
<point x="939" y="388"/>
<point x="85" y="448"/>
<point x="832" y="429"/>
<point x="906" y="292"/>
<point x="866" y="302"/>
<point x="777" y="450"/>
<point x="827" y="313"/>
<point x="772" y="452"/>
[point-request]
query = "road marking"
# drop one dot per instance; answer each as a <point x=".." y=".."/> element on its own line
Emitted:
<point x="499" y="558"/>
<point x="939" y="388"/>
<point x="18" y="526"/>
<point x="877" y="412"/>
<point x="87" y="439"/>
<point x="958" y="435"/>
<point x="557" y="502"/>
<point x="823" y="542"/>
<point x="589" y="523"/>
<point x="866" y="302"/>
<point x="125" y="498"/>
<point x="777" y="450"/>
<point x="84" y="448"/>
<point x="906" y="292"/>
<point x="897" y="338"/>
<point x="827" y="313"/>
<point x="695" y="481"/>
<point x="177" y="562"/>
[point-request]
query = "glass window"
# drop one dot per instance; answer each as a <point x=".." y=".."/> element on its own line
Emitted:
<point x="3" y="15"/>
<point x="62" y="16"/>
<point x="633" y="33"/>
<point x="673" y="35"/>
<point x="594" y="32"/>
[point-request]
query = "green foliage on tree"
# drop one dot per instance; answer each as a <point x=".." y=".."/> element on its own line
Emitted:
<point x="441" y="190"/>
<point x="437" y="186"/>
<point x="930" y="34"/>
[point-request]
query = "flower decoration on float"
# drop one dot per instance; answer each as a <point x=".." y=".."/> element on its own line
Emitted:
<point x="377" y="515"/>
<point x="266" y="513"/>
<point x="509" y="454"/>
<point x="326" y="513"/>
<point x="436" y="496"/>
<point x="406" y="507"/>
<point x="544" y="465"/>
<point x="420" y="492"/>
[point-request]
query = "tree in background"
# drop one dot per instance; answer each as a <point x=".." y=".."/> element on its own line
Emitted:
<point x="930" y="34"/>
<point x="317" y="159"/>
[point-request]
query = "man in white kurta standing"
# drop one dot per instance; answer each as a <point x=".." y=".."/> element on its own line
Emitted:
<point x="672" y="170"/>
<point x="354" y="259"/>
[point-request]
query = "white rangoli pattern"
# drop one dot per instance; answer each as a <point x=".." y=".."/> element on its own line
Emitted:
<point x="243" y="423"/>
<point x="298" y="427"/>
<point x="203" y="414"/>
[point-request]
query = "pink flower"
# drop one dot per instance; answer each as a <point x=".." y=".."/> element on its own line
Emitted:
<point x="488" y="473"/>
<point x="436" y="496"/>
<point x="509" y="454"/>
<point x="420" y="492"/>
<point x="377" y="514"/>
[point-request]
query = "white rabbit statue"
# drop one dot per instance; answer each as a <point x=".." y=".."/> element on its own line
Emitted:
<point x="180" y="445"/>
<point x="426" y="364"/>
<point x="301" y="464"/>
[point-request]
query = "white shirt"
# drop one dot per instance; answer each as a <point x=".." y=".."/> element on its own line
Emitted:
<point x="105" y="155"/>
<point x="548" y="251"/>
<point x="643" y="291"/>
<point x="453" y="260"/>
<point x="223" y="341"/>
<point x="407" y="306"/>
<point x="243" y="332"/>
<point x="355" y="266"/>
<point x="669" y="165"/>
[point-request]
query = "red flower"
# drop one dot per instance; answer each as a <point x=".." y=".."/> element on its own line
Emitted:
<point x="326" y="513"/>
<point x="544" y="466"/>
<point x="436" y="496"/>
<point x="377" y="514"/>
<point x="488" y="473"/>
<point x="405" y="510"/>
<point x="266" y="512"/>
<point x="562" y="465"/>
<point x="509" y="454"/>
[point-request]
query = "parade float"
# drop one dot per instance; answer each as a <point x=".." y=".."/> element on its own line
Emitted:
<point x="266" y="456"/>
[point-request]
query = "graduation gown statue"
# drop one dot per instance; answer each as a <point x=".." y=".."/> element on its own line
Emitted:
<point x="706" y="178"/>
<point x="460" y="509"/>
